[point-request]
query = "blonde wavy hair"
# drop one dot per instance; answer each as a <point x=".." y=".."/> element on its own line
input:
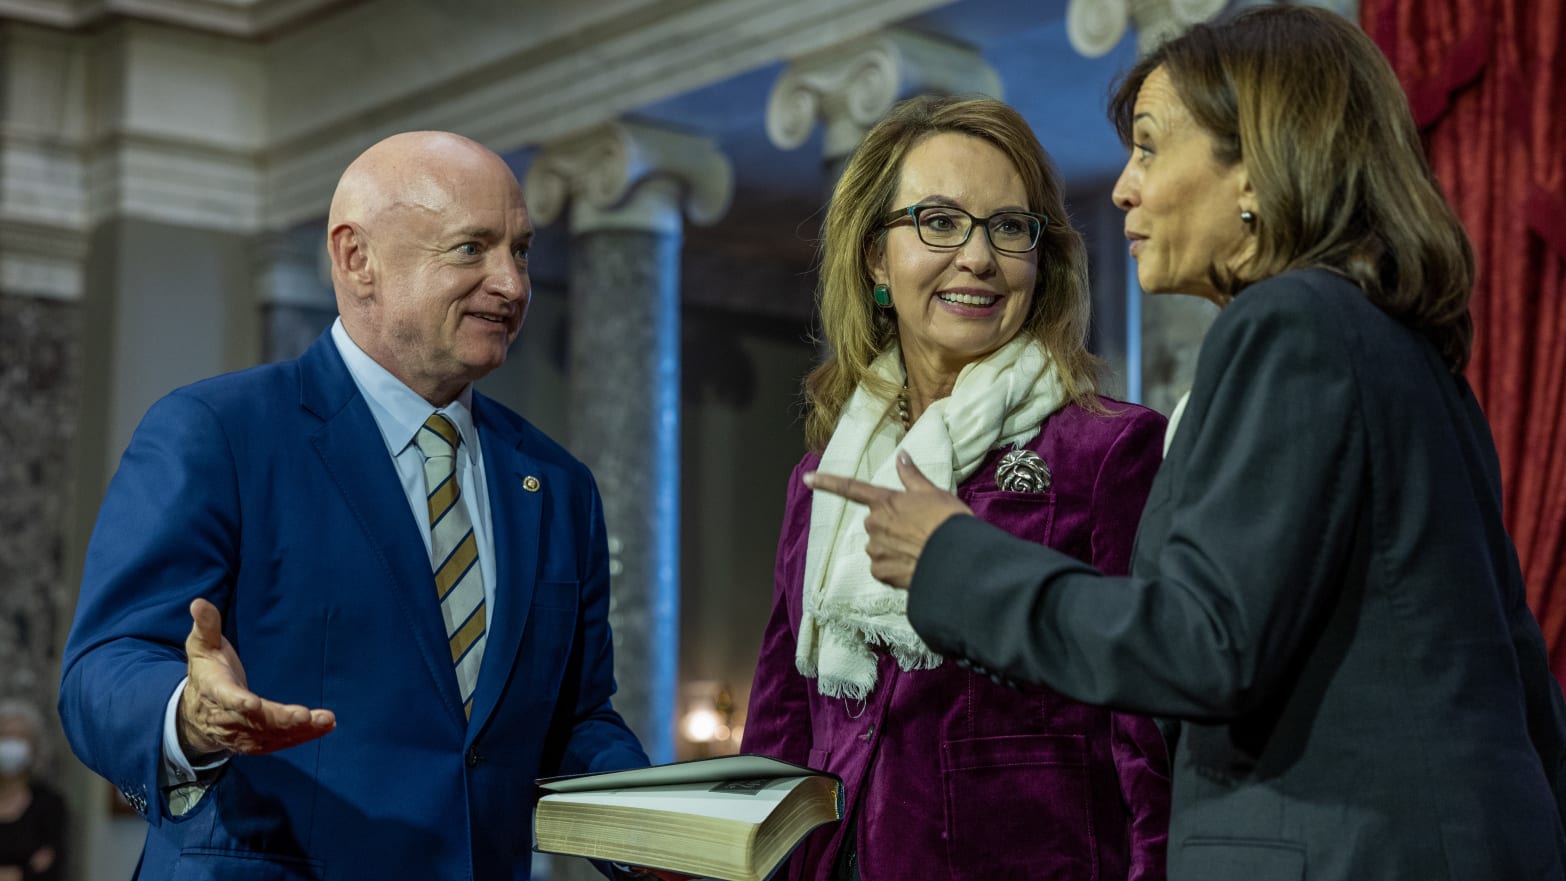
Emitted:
<point x="855" y="229"/>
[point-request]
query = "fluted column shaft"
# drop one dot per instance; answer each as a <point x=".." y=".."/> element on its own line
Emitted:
<point x="624" y="392"/>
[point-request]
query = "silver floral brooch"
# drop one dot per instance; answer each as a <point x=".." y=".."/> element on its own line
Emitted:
<point x="1022" y="471"/>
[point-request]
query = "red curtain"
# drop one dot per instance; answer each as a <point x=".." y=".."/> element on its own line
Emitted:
<point x="1486" y="83"/>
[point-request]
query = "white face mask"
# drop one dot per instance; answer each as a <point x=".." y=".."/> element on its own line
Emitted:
<point x="15" y="755"/>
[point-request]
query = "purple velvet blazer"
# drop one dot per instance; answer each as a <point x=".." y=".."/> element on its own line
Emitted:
<point x="948" y="774"/>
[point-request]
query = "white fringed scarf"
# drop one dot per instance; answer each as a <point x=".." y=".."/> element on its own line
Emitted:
<point x="997" y="401"/>
<point x="1174" y="421"/>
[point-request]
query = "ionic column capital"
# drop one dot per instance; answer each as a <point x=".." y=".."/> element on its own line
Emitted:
<point x="1096" y="26"/>
<point x="849" y="86"/>
<point x="625" y="175"/>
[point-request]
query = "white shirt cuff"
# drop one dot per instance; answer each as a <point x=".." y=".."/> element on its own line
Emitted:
<point x="176" y="768"/>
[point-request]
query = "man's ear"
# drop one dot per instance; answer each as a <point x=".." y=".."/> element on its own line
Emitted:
<point x="350" y="255"/>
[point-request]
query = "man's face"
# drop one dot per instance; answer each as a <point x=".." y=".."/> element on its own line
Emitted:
<point x="450" y="277"/>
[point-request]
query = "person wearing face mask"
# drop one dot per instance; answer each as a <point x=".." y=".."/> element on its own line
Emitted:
<point x="954" y="296"/>
<point x="32" y="815"/>
<point x="1323" y="590"/>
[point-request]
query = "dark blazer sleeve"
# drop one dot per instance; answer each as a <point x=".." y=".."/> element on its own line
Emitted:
<point x="1546" y="711"/>
<point x="1261" y="506"/>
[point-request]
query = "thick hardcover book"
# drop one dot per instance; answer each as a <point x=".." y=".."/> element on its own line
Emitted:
<point x="731" y="817"/>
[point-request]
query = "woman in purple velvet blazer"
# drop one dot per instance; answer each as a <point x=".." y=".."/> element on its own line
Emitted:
<point x="953" y="294"/>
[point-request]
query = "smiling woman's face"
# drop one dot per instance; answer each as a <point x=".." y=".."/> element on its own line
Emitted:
<point x="1182" y="206"/>
<point x="955" y="305"/>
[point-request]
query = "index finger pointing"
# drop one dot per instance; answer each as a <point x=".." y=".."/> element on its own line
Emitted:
<point x="847" y="487"/>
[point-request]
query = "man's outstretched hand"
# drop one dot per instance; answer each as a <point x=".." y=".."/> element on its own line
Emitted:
<point x="900" y="522"/>
<point x="218" y="714"/>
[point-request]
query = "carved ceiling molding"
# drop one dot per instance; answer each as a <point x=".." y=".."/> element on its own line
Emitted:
<point x="534" y="94"/>
<point x="240" y="18"/>
<point x="137" y="119"/>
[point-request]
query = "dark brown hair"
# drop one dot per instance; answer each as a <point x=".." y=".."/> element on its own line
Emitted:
<point x="857" y="331"/>
<point x="1313" y="109"/>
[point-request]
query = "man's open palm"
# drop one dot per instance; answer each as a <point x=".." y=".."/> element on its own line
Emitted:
<point x="218" y="713"/>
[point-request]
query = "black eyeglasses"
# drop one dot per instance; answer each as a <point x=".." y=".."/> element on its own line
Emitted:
<point x="946" y="226"/>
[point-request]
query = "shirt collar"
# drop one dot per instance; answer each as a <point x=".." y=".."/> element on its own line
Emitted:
<point x="399" y="411"/>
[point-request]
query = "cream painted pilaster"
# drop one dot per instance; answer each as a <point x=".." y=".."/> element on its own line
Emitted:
<point x="44" y="119"/>
<point x="129" y="194"/>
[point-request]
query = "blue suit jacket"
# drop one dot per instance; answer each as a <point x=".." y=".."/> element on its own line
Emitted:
<point x="270" y="493"/>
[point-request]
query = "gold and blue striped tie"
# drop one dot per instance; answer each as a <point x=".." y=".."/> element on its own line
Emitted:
<point x="453" y="553"/>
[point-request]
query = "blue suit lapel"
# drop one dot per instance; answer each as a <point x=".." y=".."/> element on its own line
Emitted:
<point x="350" y="446"/>
<point x="516" y="518"/>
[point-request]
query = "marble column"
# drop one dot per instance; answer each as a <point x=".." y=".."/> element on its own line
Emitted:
<point x="848" y="87"/>
<point x="625" y="187"/>
<point x="40" y="353"/>
<point x="43" y="211"/>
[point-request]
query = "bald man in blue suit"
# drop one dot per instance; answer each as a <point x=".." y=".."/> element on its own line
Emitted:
<point x="277" y="515"/>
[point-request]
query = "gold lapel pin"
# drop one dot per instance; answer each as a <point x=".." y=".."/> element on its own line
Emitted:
<point x="530" y="483"/>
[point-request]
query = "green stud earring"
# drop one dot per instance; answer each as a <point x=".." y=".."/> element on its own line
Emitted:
<point x="883" y="296"/>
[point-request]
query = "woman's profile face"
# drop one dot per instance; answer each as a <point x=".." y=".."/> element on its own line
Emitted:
<point x="1182" y="206"/>
<point x="956" y="305"/>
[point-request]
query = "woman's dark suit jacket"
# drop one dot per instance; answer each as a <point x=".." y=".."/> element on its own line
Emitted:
<point x="1323" y="588"/>
<point x="949" y="774"/>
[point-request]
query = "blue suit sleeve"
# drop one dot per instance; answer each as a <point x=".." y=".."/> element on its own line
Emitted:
<point x="166" y="534"/>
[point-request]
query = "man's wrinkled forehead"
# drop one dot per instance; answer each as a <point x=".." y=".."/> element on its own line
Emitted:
<point x="436" y="199"/>
<point x="421" y="172"/>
